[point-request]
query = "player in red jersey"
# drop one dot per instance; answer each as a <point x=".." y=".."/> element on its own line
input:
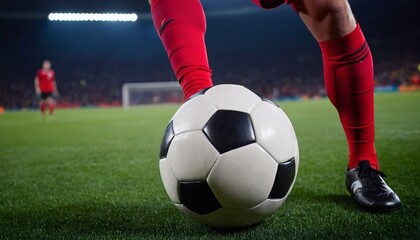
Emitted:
<point x="348" y="76"/>
<point x="46" y="87"/>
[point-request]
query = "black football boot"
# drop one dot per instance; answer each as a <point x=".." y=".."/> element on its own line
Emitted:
<point x="370" y="190"/>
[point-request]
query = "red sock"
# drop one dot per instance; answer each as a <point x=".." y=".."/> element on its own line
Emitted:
<point x="181" y="27"/>
<point x="51" y="108"/>
<point x="349" y="80"/>
<point x="43" y="106"/>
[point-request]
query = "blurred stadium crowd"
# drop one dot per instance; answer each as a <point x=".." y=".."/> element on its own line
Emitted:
<point x="99" y="83"/>
<point x="93" y="61"/>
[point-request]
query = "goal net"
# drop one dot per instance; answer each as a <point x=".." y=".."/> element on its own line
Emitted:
<point x="151" y="93"/>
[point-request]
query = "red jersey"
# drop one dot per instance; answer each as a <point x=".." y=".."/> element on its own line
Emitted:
<point x="46" y="80"/>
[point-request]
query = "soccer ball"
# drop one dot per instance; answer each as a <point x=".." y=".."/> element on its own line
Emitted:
<point x="228" y="157"/>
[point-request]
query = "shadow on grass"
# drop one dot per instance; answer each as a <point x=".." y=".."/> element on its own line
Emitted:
<point x="229" y="231"/>
<point x="341" y="200"/>
<point x="145" y="220"/>
<point x="347" y="203"/>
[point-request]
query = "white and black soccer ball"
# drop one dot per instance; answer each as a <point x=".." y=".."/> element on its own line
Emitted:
<point x="229" y="158"/>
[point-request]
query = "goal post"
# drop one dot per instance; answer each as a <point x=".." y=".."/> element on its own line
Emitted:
<point x="151" y="93"/>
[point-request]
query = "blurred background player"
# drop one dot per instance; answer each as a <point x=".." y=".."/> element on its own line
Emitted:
<point x="348" y="77"/>
<point x="46" y="88"/>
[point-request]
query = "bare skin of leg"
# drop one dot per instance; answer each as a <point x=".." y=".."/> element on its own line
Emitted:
<point x="326" y="19"/>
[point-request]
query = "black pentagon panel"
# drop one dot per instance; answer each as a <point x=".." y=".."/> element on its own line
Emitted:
<point x="198" y="197"/>
<point x="228" y="130"/>
<point x="199" y="93"/>
<point x="166" y="140"/>
<point x="284" y="178"/>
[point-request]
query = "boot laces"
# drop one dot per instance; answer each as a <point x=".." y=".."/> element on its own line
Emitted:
<point x="372" y="178"/>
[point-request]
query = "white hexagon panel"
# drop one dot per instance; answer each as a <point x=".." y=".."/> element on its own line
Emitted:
<point x="244" y="177"/>
<point x="232" y="97"/>
<point x="274" y="131"/>
<point x="193" y="115"/>
<point x="191" y="156"/>
<point x="170" y="182"/>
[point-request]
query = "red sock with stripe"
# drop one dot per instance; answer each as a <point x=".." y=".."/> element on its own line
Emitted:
<point x="349" y="80"/>
<point x="181" y="27"/>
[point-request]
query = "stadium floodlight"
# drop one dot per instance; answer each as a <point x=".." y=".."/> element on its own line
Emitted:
<point x="93" y="17"/>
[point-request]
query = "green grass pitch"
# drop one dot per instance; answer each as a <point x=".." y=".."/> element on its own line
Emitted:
<point x="93" y="174"/>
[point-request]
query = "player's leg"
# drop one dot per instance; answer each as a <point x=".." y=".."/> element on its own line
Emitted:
<point x="182" y="27"/>
<point x="42" y="105"/>
<point x="349" y="80"/>
<point x="51" y="105"/>
<point x="348" y="72"/>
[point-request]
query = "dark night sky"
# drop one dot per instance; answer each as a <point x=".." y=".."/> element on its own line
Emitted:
<point x="27" y="37"/>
